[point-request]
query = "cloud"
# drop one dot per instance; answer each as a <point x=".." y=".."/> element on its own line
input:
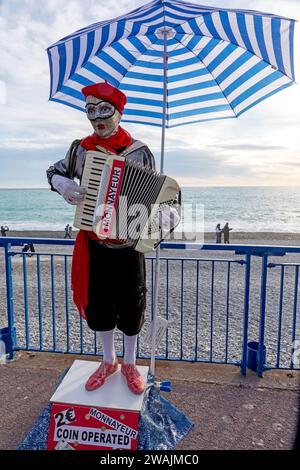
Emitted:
<point x="246" y="147"/>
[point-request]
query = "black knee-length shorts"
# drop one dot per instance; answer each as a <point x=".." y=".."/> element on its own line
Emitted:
<point x="117" y="289"/>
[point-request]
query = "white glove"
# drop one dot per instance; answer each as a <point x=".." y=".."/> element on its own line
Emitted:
<point x="168" y="218"/>
<point x="68" y="189"/>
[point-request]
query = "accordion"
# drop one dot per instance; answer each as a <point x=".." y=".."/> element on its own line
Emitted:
<point x="123" y="201"/>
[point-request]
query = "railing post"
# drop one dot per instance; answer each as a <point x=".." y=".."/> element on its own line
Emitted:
<point x="246" y="314"/>
<point x="8" y="335"/>
<point x="263" y="295"/>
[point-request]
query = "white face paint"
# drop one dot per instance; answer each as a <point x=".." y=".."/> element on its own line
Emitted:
<point x="107" y="125"/>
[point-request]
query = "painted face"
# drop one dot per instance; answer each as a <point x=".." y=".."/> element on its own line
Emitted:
<point x="104" y="117"/>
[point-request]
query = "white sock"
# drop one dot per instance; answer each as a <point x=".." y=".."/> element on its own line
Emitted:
<point x="107" y="340"/>
<point x="130" y="349"/>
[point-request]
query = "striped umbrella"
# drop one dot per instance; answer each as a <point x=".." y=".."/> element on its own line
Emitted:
<point x="178" y="63"/>
<point x="216" y="63"/>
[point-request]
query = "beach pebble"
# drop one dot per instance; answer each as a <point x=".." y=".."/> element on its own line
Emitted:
<point x="249" y="406"/>
<point x="258" y="442"/>
<point x="228" y="419"/>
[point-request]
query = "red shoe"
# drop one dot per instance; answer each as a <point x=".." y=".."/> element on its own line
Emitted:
<point x="98" y="378"/>
<point x="134" y="379"/>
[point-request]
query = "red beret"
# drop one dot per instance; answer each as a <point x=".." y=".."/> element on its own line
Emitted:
<point x="108" y="93"/>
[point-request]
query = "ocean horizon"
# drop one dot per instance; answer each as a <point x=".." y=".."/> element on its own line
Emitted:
<point x="246" y="208"/>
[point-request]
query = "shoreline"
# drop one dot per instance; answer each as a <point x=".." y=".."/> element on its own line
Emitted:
<point x="209" y="237"/>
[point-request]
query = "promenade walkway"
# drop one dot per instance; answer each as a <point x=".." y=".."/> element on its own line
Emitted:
<point x="229" y="411"/>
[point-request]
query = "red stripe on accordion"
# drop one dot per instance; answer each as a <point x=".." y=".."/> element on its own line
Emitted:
<point x="112" y="195"/>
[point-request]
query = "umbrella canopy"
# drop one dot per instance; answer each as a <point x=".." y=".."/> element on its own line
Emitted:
<point x="178" y="62"/>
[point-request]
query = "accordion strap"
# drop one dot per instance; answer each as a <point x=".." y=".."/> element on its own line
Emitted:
<point x="131" y="148"/>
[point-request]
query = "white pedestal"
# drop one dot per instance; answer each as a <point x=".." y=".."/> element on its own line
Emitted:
<point x="106" y="418"/>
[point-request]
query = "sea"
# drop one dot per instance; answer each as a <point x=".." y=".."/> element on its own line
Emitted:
<point x="246" y="209"/>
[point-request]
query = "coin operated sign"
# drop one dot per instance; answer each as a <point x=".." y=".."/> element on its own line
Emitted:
<point x="78" y="427"/>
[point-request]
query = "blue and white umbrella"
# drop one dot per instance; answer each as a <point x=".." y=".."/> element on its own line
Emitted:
<point x="216" y="63"/>
<point x="178" y="63"/>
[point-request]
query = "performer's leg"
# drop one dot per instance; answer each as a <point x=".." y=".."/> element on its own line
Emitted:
<point x="107" y="340"/>
<point x="131" y="307"/>
<point x="130" y="349"/>
<point x="101" y="314"/>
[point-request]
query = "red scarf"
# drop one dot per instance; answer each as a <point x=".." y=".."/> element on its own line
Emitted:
<point x="80" y="262"/>
<point x="114" y="144"/>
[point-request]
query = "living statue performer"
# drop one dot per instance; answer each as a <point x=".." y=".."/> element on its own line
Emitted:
<point x="109" y="285"/>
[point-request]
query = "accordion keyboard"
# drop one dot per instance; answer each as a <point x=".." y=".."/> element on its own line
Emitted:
<point x="130" y="197"/>
<point x="91" y="176"/>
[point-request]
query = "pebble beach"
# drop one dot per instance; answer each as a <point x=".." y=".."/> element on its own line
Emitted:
<point x="202" y="300"/>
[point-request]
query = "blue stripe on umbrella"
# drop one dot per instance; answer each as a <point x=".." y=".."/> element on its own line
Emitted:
<point x="149" y="65"/>
<point x="208" y="48"/>
<point x="142" y="112"/>
<point x="235" y="65"/>
<point x="76" y="77"/>
<point x="141" y="89"/>
<point x="258" y="26"/>
<point x="192" y="112"/>
<point x="194" y="87"/>
<point x="245" y="76"/>
<point x="124" y="52"/>
<point x="257" y="87"/>
<point x="226" y="25"/>
<point x="74" y="93"/>
<point x="184" y="63"/>
<point x="104" y="37"/>
<point x="211" y="27"/>
<point x="187" y="75"/>
<point x="62" y="64"/>
<point x="90" y="45"/>
<point x="120" y="30"/>
<point x="276" y="23"/>
<point x="143" y="101"/>
<point x="76" y="54"/>
<point x="291" y="47"/>
<point x="57" y="100"/>
<point x="51" y="73"/>
<point x="243" y="30"/>
<point x="197" y="99"/>
<point x="221" y="57"/>
<point x="108" y="59"/>
<point x="142" y="76"/>
<point x="101" y="74"/>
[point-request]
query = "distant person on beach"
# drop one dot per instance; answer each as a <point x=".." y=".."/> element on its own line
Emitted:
<point x="4" y="229"/>
<point x="27" y="247"/>
<point x="67" y="231"/>
<point x="226" y="229"/>
<point x="218" y="233"/>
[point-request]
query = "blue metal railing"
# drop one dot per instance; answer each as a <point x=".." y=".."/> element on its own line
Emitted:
<point x="215" y="302"/>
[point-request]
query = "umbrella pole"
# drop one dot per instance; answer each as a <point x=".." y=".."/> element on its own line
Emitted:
<point x="157" y="260"/>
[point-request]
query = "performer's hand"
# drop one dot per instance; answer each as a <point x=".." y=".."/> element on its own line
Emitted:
<point x="69" y="189"/>
<point x="168" y="218"/>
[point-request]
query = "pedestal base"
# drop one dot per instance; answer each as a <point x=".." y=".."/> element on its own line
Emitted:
<point x="106" y="418"/>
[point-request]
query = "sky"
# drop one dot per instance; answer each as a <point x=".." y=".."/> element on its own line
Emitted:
<point x="260" y="148"/>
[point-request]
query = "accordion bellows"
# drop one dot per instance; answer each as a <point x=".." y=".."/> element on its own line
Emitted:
<point x="123" y="201"/>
